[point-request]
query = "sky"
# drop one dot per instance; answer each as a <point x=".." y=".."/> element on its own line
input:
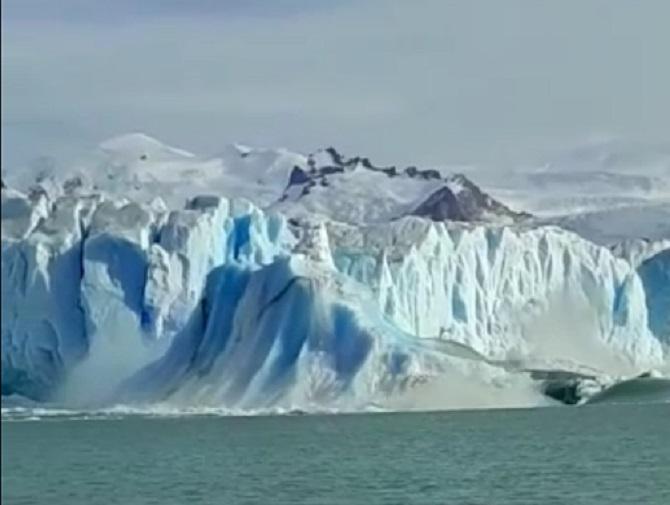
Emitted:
<point x="422" y="81"/>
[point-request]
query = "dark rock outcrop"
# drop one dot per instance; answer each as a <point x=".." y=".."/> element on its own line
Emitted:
<point x="298" y="176"/>
<point x="442" y="205"/>
<point x="457" y="199"/>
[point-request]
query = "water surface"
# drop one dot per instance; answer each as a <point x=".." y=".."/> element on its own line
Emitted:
<point x="601" y="454"/>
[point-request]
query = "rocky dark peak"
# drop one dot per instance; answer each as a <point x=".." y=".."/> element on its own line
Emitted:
<point x="462" y="179"/>
<point x="336" y="157"/>
<point x="442" y="205"/>
<point x="428" y="174"/>
<point x="456" y="197"/>
<point x="298" y="176"/>
<point x="323" y="171"/>
<point x="338" y="163"/>
<point x="473" y="200"/>
<point x="460" y="199"/>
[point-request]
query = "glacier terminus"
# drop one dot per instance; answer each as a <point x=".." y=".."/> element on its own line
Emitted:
<point x="265" y="280"/>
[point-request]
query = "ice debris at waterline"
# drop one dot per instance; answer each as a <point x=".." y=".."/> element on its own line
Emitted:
<point x="222" y="304"/>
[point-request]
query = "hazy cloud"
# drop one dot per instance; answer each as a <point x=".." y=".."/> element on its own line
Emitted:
<point x="426" y="80"/>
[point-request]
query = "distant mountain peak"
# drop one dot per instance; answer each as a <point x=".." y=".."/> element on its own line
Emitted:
<point x="141" y="146"/>
<point x="451" y="197"/>
<point x="327" y="183"/>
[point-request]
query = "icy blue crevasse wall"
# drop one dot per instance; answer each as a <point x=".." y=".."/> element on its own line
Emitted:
<point x="294" y="332"/>
<point x="255" y="335"/>
<point x="655" y="275"/>
<point x="95" y="277"/>
<point x="43" y="330"/>
<point x="206" y="305"/>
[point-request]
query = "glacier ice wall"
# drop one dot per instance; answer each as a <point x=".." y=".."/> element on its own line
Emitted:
<point x="220" y="303"/>
<point x="43" y="321"/>
<point x="655" y="275"/>
<point x="99" y="277"/>
<point x="294" y="332"/>
<point x="501" y="290"/>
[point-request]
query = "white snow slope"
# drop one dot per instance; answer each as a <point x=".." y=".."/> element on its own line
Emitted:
<point x="112" y="299"/>
<point x="607" y="190"/>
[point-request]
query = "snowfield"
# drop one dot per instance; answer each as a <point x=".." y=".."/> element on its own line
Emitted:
<point x="266" y="279"/>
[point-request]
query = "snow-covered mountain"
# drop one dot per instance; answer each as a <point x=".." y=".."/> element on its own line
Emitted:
<point x="353" y="190"/>
<point x="324" y="183"/>
<point x="335" y="284"/>
<point x="607" y="190"/>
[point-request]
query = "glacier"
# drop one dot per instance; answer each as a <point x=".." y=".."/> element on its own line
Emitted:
<point x="655" y="275"/>
<point x="265" y="280"/>
<point x="220" y="303"/>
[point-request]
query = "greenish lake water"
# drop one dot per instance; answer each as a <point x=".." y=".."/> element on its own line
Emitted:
<point x="604" y="454"/>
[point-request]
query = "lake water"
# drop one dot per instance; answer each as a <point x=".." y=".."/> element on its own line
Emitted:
<point x="605" y="454"/>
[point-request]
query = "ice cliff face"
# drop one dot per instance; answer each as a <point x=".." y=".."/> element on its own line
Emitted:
<point x="95" y="276"/>
<point x="502" y="291"/>
<point x="336" y="284"/>
<point x="655" y="275"/>
<point x="221" y="303"/>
